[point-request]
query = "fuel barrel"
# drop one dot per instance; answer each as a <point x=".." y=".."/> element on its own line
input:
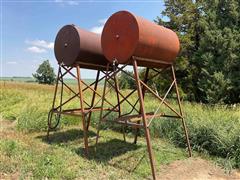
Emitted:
<point x="74" y="45"/>
<point x="126" y="35"/>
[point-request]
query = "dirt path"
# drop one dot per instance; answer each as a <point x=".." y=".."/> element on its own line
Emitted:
<point x="195" y="169"/>
<point x="5" y="124"/>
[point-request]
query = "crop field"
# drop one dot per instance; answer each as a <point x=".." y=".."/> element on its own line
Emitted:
<point x="25" y="152"/>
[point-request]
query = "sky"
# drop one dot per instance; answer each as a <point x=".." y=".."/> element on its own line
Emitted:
<point x="29" y="28"/>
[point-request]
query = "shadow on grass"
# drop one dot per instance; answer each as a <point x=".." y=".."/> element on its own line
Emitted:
<point x="65" y="136"/>
<point x="105" y="151"/>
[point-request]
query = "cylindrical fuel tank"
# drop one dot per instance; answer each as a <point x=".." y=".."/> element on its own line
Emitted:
<point x="74" y="45"/>
<point x="126" y="35"/>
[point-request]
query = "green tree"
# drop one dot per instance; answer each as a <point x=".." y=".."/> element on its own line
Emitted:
<point x="45" y="73"/>
<point x="125" y="81"/>
<point x="209" y="61"/>
<point x="184" y="17"/>
<point x="219" y="79"/>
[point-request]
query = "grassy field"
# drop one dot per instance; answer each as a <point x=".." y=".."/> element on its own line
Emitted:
<point x="32" y="80"/>
<point x="31" y="156"/>
<point x="17" y="79"/>
<point x="214" y="131"/>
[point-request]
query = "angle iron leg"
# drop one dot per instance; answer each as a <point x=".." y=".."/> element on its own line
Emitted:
<point x="93" y="98"/>
<point x="118" y="98"/>
<point x="183" y="120"/>
<point x="146" y="128"/>
<point x="118" y="102"/>
<point x="103" y="99"/>
<point x="85" y="134"/>
<point x="143" y="92"/>
<point x="53" y="104"/>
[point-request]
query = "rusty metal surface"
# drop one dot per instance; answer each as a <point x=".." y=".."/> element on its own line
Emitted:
<point x="126" y="35"/>
<point x="74" y="45"/>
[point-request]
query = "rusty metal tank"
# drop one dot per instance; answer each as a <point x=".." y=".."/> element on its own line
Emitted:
<point x="74" y="45"/>
<point x="126" y="35"/>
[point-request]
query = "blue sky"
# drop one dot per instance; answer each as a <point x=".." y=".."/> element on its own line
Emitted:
<point x="28" y="28"/>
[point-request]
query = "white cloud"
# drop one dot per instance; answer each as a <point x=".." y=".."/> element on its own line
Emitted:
<point x="11" y="62"/>
<point x="67" y="2"/>
<point x="72" y="2"/>
<point x="41" y="43"/>
<point x="98" y="29"/>
<point x="102" y="21"/>
<point x="36" y="49"/>
<point x="39" y="46"/>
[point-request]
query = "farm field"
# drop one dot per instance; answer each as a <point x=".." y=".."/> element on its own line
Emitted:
<point x="214" y="135"/>
<point x="32" y="80"/>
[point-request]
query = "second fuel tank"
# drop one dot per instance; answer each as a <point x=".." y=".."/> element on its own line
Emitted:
<point x="126" y="35"/>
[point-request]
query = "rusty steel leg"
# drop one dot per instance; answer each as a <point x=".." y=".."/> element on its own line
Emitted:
<point x="117" y="93"/>
<point x="103" y="99"/>
<point x="118" y="103"/>
<point x="53" y="104"/>
<point x="180" y="109"/>
<point x="143" y="93"/>
<point x="85" y="134"/>
<point x="93" y="98"/>
<point x="143" y="113"/>
<point x="124" y="133"/>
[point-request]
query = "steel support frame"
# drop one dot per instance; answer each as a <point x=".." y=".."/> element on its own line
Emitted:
<point x="142" y="87"/>
<point x="82" y="111"/>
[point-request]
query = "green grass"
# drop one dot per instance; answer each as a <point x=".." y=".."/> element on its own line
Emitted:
<point x="31" y="156"/>
<point x="213" y="130"/>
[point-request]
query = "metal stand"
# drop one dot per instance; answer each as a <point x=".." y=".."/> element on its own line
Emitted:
<point x="82" y="111"/>
<point x="144" y="119"/>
